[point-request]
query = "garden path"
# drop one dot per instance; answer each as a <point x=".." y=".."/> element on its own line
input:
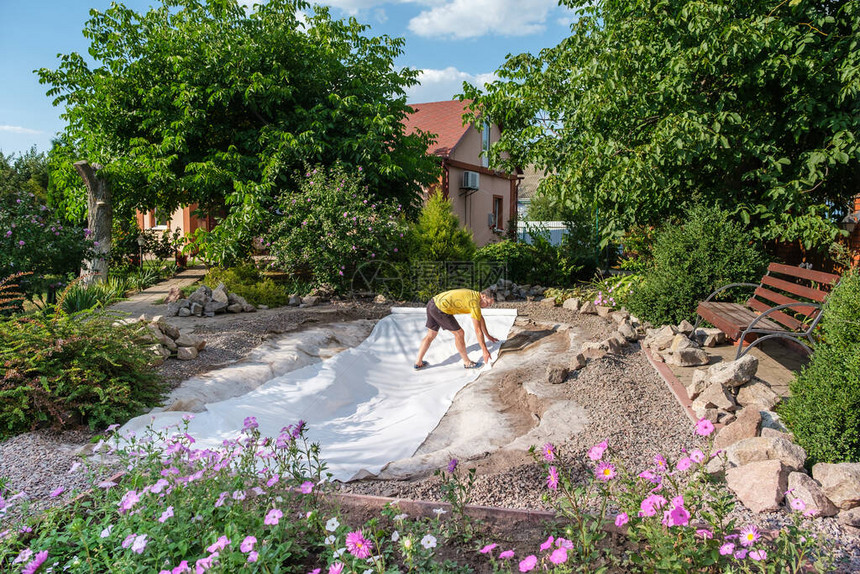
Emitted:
<point x="144" y="303"/>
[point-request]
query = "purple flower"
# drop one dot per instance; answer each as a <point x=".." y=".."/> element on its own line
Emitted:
<point x="552" y="479"/>
<point x="248" y="544"/>
<point x="727" y="549"/>
<point x="36" y="562"/>
<point x="621" y="519"/>
<point x="558" y="556"/>
<point x="205" y="564"/>
<point x="166" y="514"/>
<point x="57" y="492"/>
<point x="219" y="544"/>
<point x="21" y="243"/>
<point x="307" y="487"/>
<point x="250" y="424"/>
<point x="528" y="563"/>
<point x="129" y="499"/>
<point x="358" y="545"/>
<point x="605" y="471"/>
<point x="749" y="535"/>
<point x="596" y="452"/>
<point x="139" y="544"/>
<point x="9" y="233"/>
<point x="547" y="543"/>
<point x="452" y="465"/>
<point x="272" y="517"/>
<point x="758" y="555"/>
<point x="253" y="556"/>
<point x="548" y="452"/>
<point x="335" y="568"/>
<point x="685" y="463"/>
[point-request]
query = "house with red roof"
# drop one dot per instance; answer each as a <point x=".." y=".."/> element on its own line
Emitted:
<point x="484" y="199"/>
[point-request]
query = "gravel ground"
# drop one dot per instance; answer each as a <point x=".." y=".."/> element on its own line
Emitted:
<point x="628" y="403"/>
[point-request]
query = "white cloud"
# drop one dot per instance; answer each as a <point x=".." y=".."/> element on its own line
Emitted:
<point x="438" y="85"/>
<point x="473" y="18"/>
<point x="19" y="130"/>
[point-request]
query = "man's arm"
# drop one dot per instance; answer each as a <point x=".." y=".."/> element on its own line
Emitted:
<point x="486" y="332"/>
<point x="480" y="330"/>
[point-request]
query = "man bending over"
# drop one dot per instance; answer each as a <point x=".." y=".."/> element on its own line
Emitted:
<point x="440" y="313"/>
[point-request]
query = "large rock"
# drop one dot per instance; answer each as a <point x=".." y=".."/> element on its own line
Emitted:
<point x="698" y="384"/>
<point x="184" y="312"/>
<point x="689" y="357"/>
<point x="187" y="340"/>
<point x="734" y="373"/>
<point x="186" y="353"/>
<point x="685" y="327"/>
<point x="234" y="308"/>
<point x="759" y="448"/>
<point x="174" y="306"/>
<point x="746" y="426"/>
<point x="603" y="311"/>
<point x="168" y="329"/>
<point x="851" y="519"/>
<point x="197" y="309"/>
<point x="661" y="339"/>
<point x="680" y="342"/>
<point x="758" y="394"/>
<point x="548" y="301"/>
<point x="578" y="362"/>
<point x="173" y="295"/>
<point x="840" y="482"/>
<point x="805" y="488"/>
<point x="771" y="420"/>
<point x="627" y="331"/>
<point x="760" y="486"/>
<point x="619" y="338"/>
<point x="571" y="304"/>
<point x="588" y="308"/>
<point x="201" y="295"/>
<point x="219" y="294"/>
<point x="715" y="396"/>
<point x="310" y="300"/>
<point x="556" y="374"/>
<point x="295" y="301"/>
<point x="710" y="337"/>
<point x="594" y="350"/>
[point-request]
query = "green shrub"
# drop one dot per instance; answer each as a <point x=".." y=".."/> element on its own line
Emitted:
<point x="247" y="281"/>
<point x="824" y="409"/>
<point x="331" y="224"/>
<point x="438" y="236"/>
<point x="690" y="260"/>
<point x="62" y="369"/>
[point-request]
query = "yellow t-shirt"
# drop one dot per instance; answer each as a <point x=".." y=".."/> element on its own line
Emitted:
<point x="459" y="301"/>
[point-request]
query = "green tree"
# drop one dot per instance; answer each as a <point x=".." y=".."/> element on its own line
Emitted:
<point x="438" y="236"/>
<point x="26" y="172"/>
<point x="653" y="105"/>
<point x="204" y="101"/>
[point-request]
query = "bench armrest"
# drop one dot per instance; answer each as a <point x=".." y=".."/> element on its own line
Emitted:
<point x="729" y="286"/>
<point x="787" y="306"/>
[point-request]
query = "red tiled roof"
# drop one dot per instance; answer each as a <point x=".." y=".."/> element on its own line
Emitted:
<point x="443" y="119"/>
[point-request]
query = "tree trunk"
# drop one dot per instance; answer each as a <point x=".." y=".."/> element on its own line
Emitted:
<point x="99" y="220"/>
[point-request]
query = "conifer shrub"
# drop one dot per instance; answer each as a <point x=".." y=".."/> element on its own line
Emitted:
<point x="438" y="236"/>
<point x="62" y="370"/>
<point x="824" y="409"/>
<point x="705" y="251"/>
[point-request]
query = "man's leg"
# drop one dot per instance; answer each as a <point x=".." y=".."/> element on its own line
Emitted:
<point x="460" y="343"/>
<point x="425" y="344"/>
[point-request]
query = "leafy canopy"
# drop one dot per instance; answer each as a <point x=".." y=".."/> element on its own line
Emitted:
<point x="205" y="101"/>
<point x="652" y="105"/>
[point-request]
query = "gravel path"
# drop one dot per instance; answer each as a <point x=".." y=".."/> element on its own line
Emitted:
<point x="628" y="405"/>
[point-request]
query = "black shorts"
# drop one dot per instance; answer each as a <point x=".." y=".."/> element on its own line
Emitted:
<point x="436" y="319"/>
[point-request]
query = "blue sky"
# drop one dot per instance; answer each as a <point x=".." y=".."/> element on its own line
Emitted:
<point x="450" y="40"/>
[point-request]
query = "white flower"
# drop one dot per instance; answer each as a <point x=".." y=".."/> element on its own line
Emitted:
<point x="401" y="517"/>
<point x="329" y="539"/>
<point x="429" y="541"/>
<point x="439" y="511"/>
<point x="339" y="552"/>
<point x="106" y="532"/>
<point x="332" y="524"/>
<point x="395" y="536"/>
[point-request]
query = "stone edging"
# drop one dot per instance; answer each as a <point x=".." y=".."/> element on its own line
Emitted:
<point x="674" y="385"/>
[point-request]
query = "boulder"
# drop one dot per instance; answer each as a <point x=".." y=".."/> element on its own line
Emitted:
<point x="571" y="304"/>
<point x="690" y="357"/>
<point x="168" y="343"/>
<point x="760" y="486"/>
<point x="840" y="482"/>
<point x="173" y="295"/>
<point x="698" y="384"/>
<point x="715" y="396"/>
<point x="603" y="311"/>
<point x="759" y="448"/>
<point x="619" y="338"/>
<point x="173" y="308"/>
<point x="804" y="487"/>
<point x="184" y="312"/>
<point x="710" y="337"/>
<point x="612" y="345"/>
<point x="168" y="329"/>
<point x="219" y="294"/>
<point x="758" y="394"/>
<point x="588" y="308"/>
<point x="685" y="327"/>
<point x="263" y="307"/>
<point x="548" y="301"/>
<point x="594" y="350"/>
<point x="661" y="339"/>
<point x="734" y="373"/>
<point x="295" y="301"/>
<point x="620" y="316"/>
<point x="197" y="309"/>
<point x="186" y="353"/>
<point x="201" y="296"/>
<point x="234" y="308"/>
<point x="248" y="308"/>
<point x="771" y="420"/>
<point x="310" y="300"/>
<point x="187" y="341"/>
<point x="627" y="331"/>
<point x="773" y="433"/>
<point x="746" y="426"/>
<point x="849" y="518"/>
<point x="681" y="342"/>
<point x="578" y="362"/>
<point x="556" y="374"/>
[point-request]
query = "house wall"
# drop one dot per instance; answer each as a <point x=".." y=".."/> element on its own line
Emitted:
<point x="473" y="207"/>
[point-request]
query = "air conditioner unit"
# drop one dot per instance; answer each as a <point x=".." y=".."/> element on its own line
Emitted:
<point x="471" y="180"/>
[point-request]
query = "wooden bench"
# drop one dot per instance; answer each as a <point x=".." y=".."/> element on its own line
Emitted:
<point x="786" y="304"/>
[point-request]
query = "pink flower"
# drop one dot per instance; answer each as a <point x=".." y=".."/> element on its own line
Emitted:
<point x="704" y="533"/>
<point x="558" y="556"/>
<point x="358" y="545"/>
<point x="697" y="456"/>
<point x="679" y="516"/>
<point x="684" y="464"/>
<point x="704" y="427"/>
<point x="651" y="504"/>
<point x="548" y="544"/>
<point x="596" y="452"/>
<point x="128" y="540"/>
<point x="621" y="519"/>
<point x="182" y="568"/>
<point x="307" y="487"/>
<point x="605" y="471"/>
<point x="741" y="554"/>
<point x="660" y="462"/>
<point x="253" y="556"/>
<point x="528" y="563"/>
<point x="727" y="549"/>
<point x="552" y="479"/>
<point x="168" y="512"/>
<point x="749" y="535"/>
<point x="272" y="481"/>
<point x="758" y="555"/>
<point x="798" y="504"/>
<point x="548" y="451"/>
<point x="488" y="548"/>
<point x="205" y="564"/>
<point x="272" y="517"/>
<point x="335" y="568"/>
<point x="506" y="555"/>
<point x="129" y="499"/>
<point x="219" y="544"/>
<point x="139" y="544"/>
<point x="57" y="492"/>
<point x="248" y="544"/>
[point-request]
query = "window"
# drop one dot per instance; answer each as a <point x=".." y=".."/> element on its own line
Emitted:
<point x="485" y="144"/>
<point x="498" y="212"/>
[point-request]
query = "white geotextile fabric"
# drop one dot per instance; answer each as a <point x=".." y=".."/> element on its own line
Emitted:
<point x="366" y="406"/>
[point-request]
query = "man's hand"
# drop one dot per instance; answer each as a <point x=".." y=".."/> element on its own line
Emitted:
<point x="486" y="357"/>
<point x="492" y="339"/>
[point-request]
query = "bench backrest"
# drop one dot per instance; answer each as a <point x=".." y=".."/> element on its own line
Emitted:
<point x="783" y="284"/>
